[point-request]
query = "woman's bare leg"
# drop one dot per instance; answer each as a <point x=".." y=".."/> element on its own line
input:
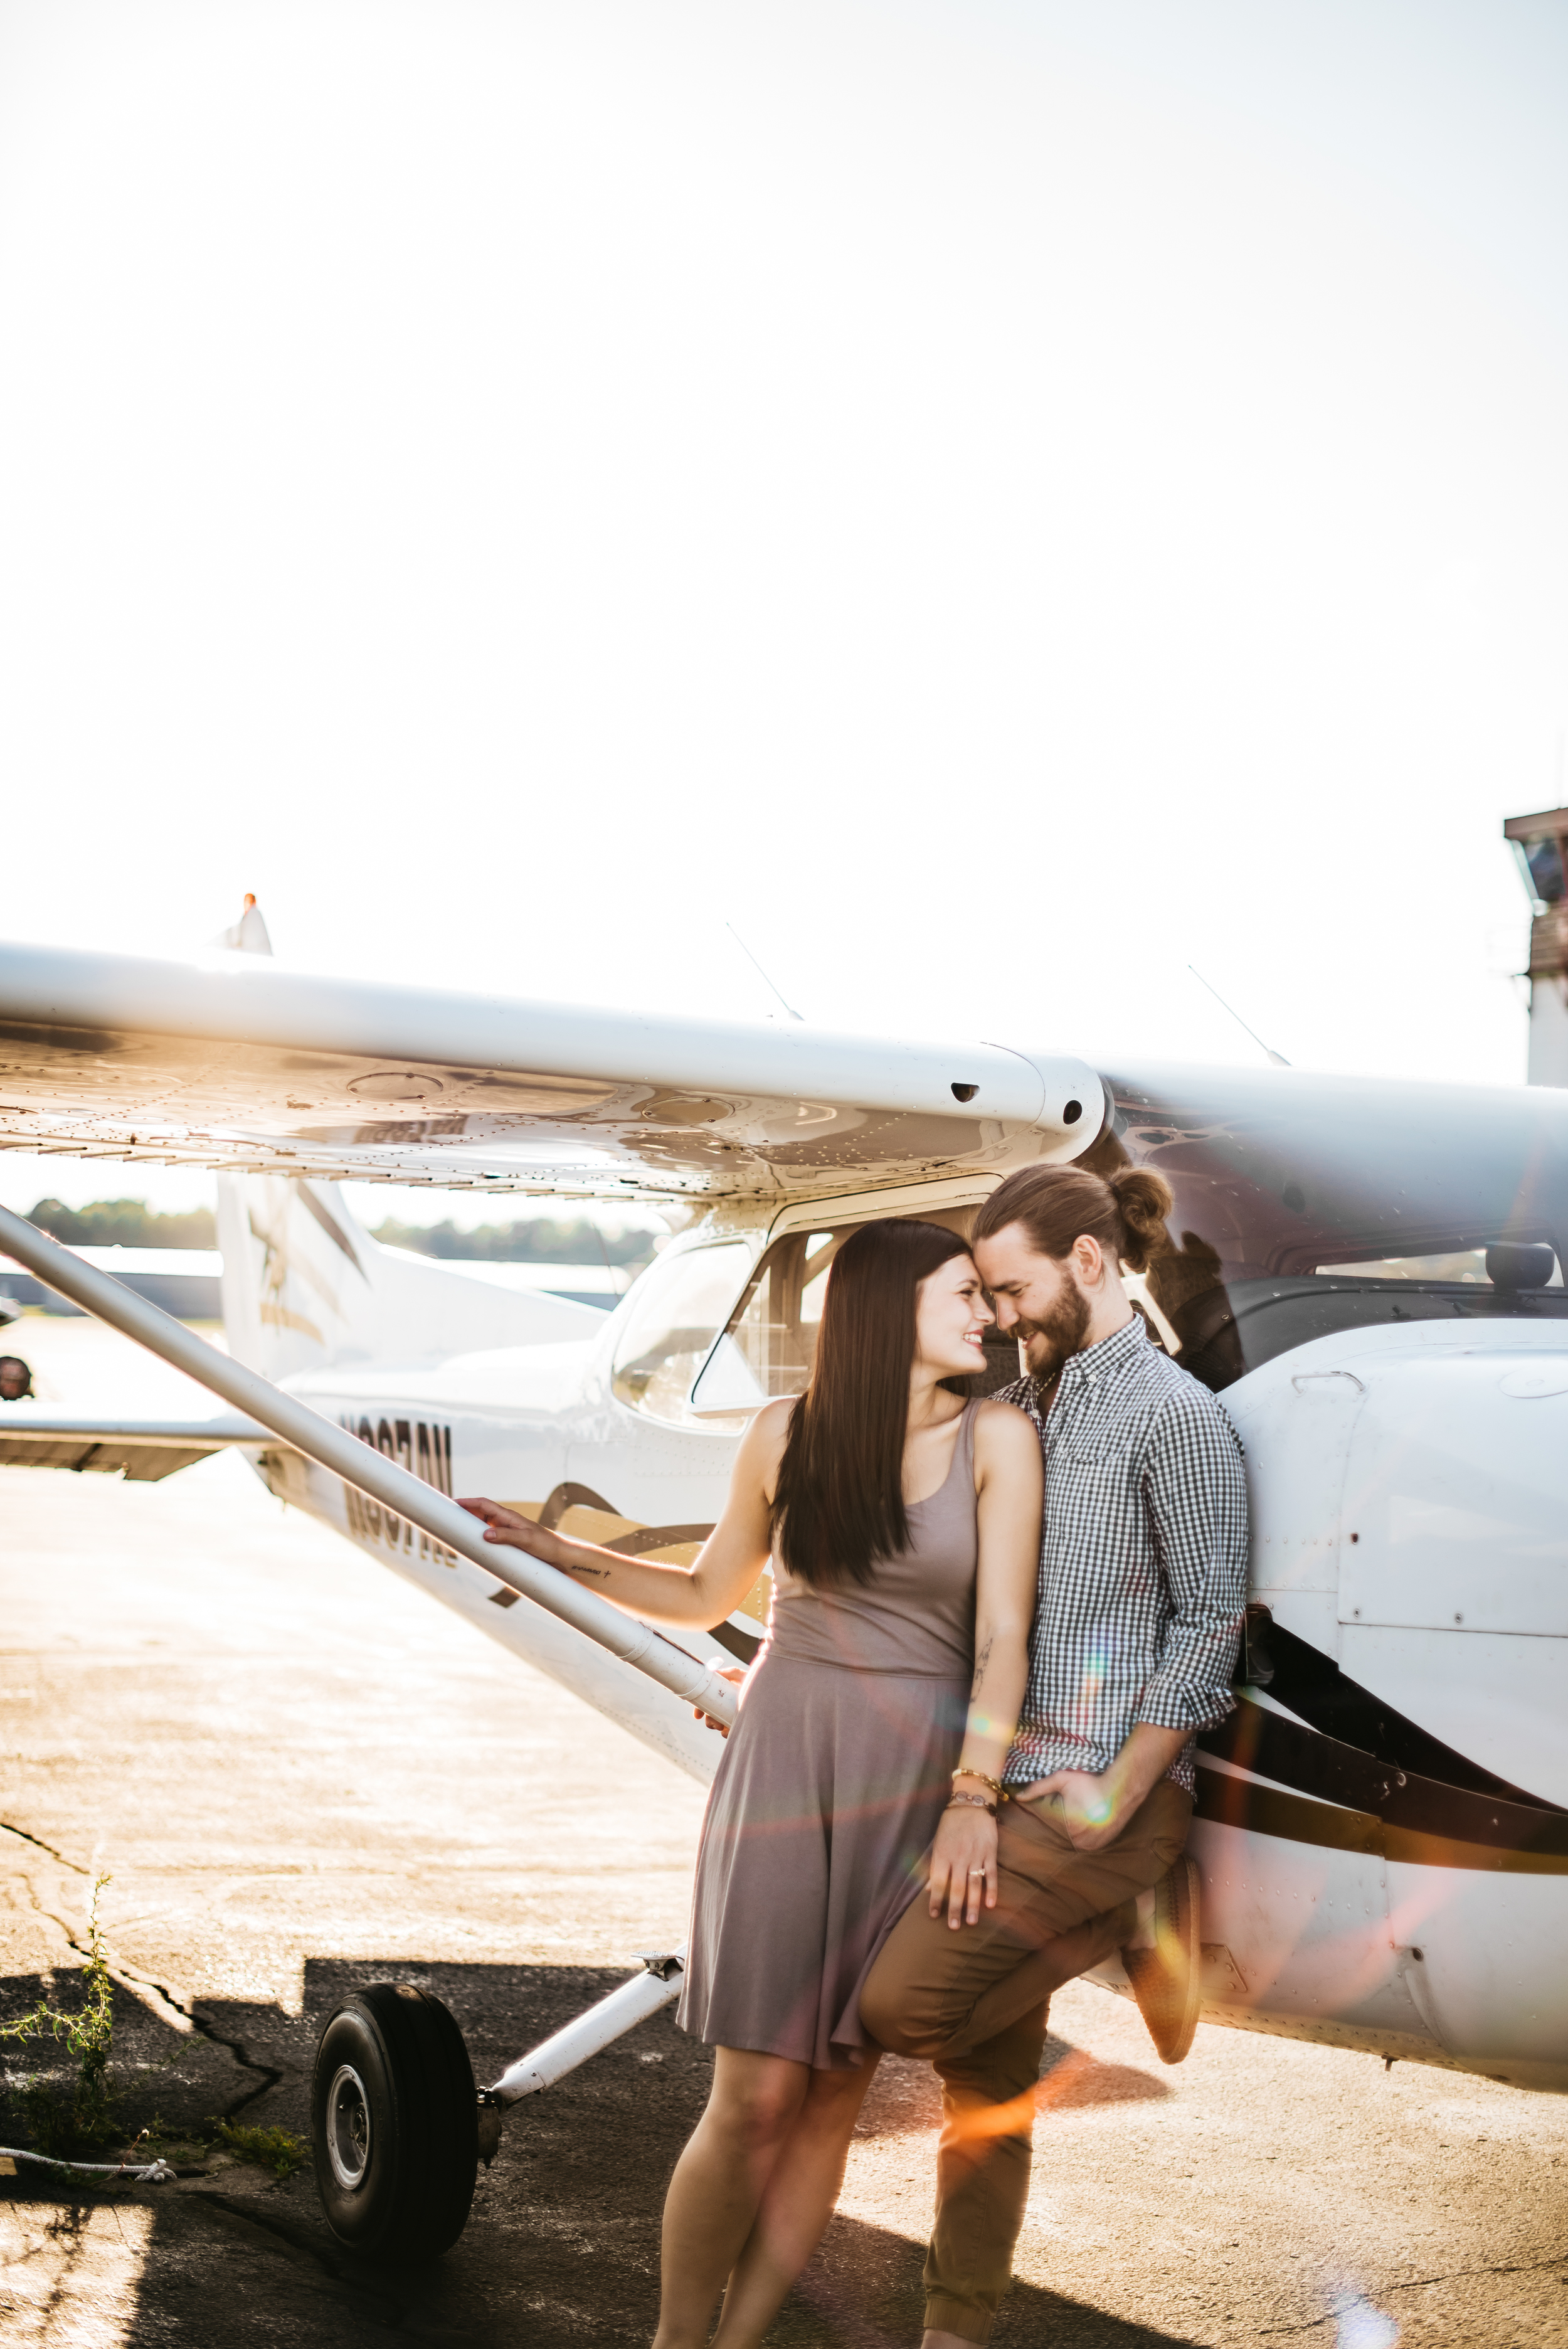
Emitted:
<point x="718" y="2186"/>
<point x="795" y="2206"/>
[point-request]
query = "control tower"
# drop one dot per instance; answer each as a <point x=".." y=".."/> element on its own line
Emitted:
<point x="1540" y="844"/>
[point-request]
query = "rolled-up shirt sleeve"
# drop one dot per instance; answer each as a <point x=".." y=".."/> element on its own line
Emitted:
<point x="1196" y="1493"/>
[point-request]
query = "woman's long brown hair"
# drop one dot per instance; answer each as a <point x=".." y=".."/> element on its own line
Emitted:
<point x="838" y="1505"/>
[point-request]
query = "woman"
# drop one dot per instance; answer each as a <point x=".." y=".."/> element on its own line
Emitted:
<point x="903" y="1525"/>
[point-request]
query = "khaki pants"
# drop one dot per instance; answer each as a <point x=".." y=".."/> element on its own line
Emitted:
<point x="974" y="2002"/>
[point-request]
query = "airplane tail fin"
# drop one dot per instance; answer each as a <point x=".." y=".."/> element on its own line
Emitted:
<point x="297" y="1291"/>
<point x="305" y="1285"/>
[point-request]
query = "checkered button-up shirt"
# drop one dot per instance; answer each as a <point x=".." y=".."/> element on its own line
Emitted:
<point x="1143" y="1558"/>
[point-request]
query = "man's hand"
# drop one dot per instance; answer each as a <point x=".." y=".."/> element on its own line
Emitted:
<point x="1095" y="1809"/>
<point x="1090" y="1812"/>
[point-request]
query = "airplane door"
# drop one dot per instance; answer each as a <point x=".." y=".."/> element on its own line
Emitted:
<point x="1298" y="1894"/>
<point x="1295" y="1422"/>
<point x="1453" y="1599"/>
<point x="1453" y="1605"/>
<point x="1456" y="1495"/>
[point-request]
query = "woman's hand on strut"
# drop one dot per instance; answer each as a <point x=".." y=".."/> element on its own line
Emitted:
<point x="516" y="1531"/>
<point x="731" y="1672"/>
<point x="963" y="1865"/>
<point x="655" y="1590"/>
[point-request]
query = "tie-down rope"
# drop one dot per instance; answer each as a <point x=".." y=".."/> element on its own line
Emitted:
<point x="150" y="2173"/>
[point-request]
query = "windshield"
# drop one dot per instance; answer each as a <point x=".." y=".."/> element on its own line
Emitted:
<point x="1308" y="1204"/>
<point x="769" y="1344"/>
<point x="680" y="1305"/>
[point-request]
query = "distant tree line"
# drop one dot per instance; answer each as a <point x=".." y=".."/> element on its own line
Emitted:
<point x="124" y="1223"/>
<point x="536" y="1239"/>
<point x="533" y="1239"/>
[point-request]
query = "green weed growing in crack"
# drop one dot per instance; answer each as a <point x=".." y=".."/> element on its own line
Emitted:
<point x="277" y="2149"/>
<point x="182" y="2149"/>
<point x="58" y="2120"/>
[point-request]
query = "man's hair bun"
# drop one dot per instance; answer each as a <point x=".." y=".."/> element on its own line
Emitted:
<point x="1057" y="1205"/>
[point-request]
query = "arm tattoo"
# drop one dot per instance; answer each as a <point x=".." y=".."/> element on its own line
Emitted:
<point x="981" y="1660"/>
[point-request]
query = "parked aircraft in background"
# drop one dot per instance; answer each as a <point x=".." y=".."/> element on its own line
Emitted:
<point x="1369" y="1273"/>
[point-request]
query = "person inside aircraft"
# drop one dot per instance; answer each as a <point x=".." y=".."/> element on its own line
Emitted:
<point x="16" y="1378"/>
<point x="903" y="1525"/>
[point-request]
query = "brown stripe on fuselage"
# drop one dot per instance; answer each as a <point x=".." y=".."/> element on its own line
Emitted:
<point x="1233" y="1802"/>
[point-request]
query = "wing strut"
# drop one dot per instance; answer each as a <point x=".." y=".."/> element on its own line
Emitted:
<point x="294" y="1422"/>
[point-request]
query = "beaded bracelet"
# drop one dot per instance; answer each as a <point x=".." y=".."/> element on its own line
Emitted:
<point x="994" y="1783"/>
<point x="972" y="1802"/>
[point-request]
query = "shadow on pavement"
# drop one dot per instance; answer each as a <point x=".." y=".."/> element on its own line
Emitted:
<point x="563" y="2245"/>
<point x="862" y="2292"/>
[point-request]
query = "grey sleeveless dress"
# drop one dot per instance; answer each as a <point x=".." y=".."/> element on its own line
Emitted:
<point x="831" y="1788"/>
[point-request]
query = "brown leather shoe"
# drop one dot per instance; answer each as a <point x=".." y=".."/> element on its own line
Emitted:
<point x="1166" y="1978"/>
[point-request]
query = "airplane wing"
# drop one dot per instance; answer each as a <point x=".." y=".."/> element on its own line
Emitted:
<point x="141" y="1450"/>
<point x="230" y="1061"/>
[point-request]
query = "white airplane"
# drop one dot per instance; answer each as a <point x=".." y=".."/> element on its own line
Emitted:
<point x="1369" y="1273"/>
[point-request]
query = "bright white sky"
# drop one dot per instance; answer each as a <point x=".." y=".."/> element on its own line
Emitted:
<point x="998" y="502"/>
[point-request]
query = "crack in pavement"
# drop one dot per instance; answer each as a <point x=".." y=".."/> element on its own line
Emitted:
<point x="39" y="1844"/>
<point x="1415" y="2283"/>
<point x="170" y="2011"/>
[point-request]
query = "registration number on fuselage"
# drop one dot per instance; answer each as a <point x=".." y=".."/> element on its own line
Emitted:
<point x="425" y="1450"/>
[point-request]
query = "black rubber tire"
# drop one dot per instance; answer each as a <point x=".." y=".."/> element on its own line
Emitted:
<point x="394" y="2090"/>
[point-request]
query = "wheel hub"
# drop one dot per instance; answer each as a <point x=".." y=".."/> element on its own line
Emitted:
<point x="348" y="2126"/>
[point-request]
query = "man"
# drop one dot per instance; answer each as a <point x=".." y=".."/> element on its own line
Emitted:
<point x="16" y="1378"/>
<point x="1142" y="1591"/>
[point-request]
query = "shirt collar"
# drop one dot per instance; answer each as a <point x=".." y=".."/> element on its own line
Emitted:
<point x="1112" y="1355"/>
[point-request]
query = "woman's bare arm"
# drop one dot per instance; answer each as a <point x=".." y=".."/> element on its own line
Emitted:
<point x="718" y="1580"/>
<point x="1010" y="1486"/>
<point x="1009" y="1480"/>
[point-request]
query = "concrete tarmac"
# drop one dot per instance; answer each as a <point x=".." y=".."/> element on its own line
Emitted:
<point x="301" y="1775"/>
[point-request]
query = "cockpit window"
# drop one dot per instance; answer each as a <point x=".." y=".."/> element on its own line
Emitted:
<point x="667" y="1361"/>
<point x="1306" y="1206"/>
<point x="684" y="1303"/>
<point x="770" y="1343"/>
<point x="1466" y="1264"/>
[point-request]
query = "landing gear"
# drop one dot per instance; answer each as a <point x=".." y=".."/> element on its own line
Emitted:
<point x="398" y="2126"/>
<point x="395" y="2124"/>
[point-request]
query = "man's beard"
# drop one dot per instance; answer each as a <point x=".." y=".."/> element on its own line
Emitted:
<point x="1048" y="1341"/>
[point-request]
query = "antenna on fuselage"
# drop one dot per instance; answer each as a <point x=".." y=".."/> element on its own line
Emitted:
<point x="1277" y="1058"/>
<point x="751" y="958"/>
